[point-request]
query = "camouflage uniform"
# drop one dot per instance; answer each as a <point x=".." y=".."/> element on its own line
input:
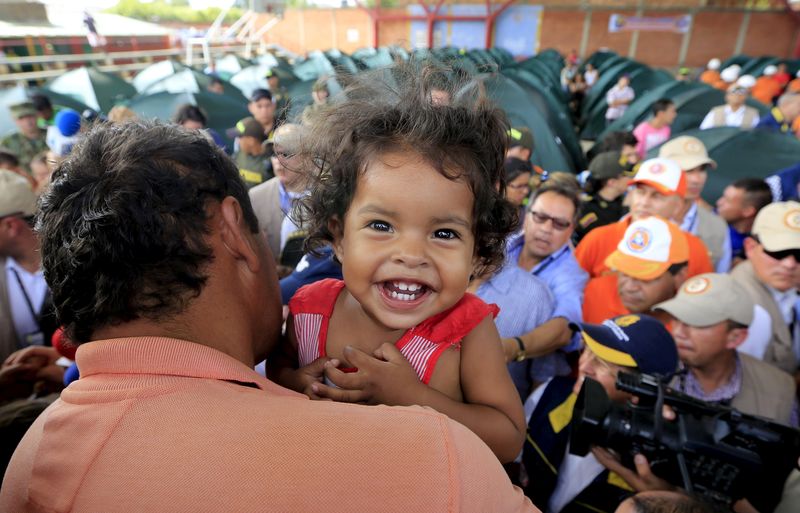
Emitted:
<point x="25" y="149"/>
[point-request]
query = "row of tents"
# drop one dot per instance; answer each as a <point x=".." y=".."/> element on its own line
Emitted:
<point x="529" y="91"/>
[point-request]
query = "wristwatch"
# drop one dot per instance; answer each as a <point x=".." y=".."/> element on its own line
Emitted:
<point x="520" y="356"/>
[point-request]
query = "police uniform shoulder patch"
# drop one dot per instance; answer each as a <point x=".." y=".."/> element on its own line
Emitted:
<point x="588" y="219"/>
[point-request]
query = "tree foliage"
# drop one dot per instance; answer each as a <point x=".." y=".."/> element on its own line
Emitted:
<point x="177" y="10"/>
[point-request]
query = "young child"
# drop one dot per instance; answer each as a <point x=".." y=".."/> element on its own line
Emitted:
<point x="406" y="193"/>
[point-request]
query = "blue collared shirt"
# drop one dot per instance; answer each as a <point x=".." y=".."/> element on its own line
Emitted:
<point x="565" y="278"/>
<point x="525" y="302"/>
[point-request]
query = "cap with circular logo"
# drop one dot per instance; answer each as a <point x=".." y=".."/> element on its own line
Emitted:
<point x="689" y="152"/>
<point x="636" y="341"/>
<point x="16" y="195"/>
<point x="648" y="248"/>
<point x="777" y="226"/>
<point x="709" y="299"/>
<point x="662" y="174"/>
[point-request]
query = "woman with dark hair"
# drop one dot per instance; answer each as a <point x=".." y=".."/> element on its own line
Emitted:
<point x="518" y="177"/>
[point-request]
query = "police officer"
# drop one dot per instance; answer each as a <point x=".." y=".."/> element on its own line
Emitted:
<point x="609" y="173"/>
<point x="29" y="139"/>
<point x="279" y="95"/>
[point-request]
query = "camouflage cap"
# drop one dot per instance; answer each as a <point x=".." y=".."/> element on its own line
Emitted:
<point x="22" y="109"/>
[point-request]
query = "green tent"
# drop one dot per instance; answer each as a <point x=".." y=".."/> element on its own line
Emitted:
<point x="371" y="58"/>
<point x="550" y="152"/>
<point x="155" y="72"/>
<point x="18" y="94"/>
<point x="545" y="74"/>
<point x="189" y="80"/>
<point x="229" y="65"/>
<point x="554" y="111"/>
<point x="97" y="89"/>
<point x="223" y="112"/>
<point x="254" y="77"/>
<point x="314" y="66"/>
<point x="342" y="62"/>
<point x="743" y="153"/>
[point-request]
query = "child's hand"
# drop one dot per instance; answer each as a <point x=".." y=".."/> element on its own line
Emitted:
<point x="386" y="378"/>
<point x="314" y="373"/>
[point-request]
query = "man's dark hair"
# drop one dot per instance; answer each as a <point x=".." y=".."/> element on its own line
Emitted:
<point x="123" y="224"/>
<point x="7" y="159"/>
<point x="673" y="503"/>
<point x="674" y="269"/>
<point x="390" y="110"/>
<point x="41" y="102"/>
<point x="614" y="141"/>
<point x="573" y="194"/>
<point x="189" y="112"/>
<point x="661" y="105"/>
<point x="757" y="193"/>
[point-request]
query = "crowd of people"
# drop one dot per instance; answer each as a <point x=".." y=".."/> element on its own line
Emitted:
<point x="395" y="256"/>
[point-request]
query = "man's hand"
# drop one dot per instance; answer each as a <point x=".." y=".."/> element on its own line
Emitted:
<point x="385" y="378"/>
<point x="641" y="480"/>
<point x="34" y="363"/>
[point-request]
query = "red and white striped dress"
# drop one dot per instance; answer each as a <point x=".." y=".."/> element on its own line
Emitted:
<point x="422" y="345"/>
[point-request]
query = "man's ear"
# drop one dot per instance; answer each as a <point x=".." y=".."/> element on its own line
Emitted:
<point x="681" y="276"/>
<point x="750" y="246"/>
<point x="236" y="235"/>
<point x="735" y="338"/>
<point x="749" y="211"/>
<point x="336" y="228"/>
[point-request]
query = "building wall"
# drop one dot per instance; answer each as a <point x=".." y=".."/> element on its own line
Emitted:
<point x="715" y="30"/>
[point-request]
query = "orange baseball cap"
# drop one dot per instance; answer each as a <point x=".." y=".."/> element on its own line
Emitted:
<point x="648" y="248"/>
<point x="662" y="174"/>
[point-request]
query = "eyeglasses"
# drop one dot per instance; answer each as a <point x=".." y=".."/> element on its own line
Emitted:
<point x="558" y="223"/>
<point x="283" y="155"/>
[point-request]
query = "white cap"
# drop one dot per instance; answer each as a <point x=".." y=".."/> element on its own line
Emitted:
<point x="730" y="74"/>
<point x="797" y="74"/>
<point x="747" y="81"/>
<point x="714" y="63"/>
<point x="664" y="175"/>
<point x="770" y="70"/>
<point x="648" y="248"/>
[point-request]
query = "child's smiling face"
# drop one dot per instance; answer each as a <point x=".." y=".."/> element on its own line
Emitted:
<point x="406" y="245"/>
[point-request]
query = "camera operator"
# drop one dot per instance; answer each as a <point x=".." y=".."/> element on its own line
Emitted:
<point x="563" y="482"/>
<point x="709" y="319"/>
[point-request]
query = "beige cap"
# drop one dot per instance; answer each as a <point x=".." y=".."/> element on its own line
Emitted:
<point x="777" y="226"/>
<point x="708" y="299"/>
<point x="289" y="136"/>
<point x="689" y="152"/>
<point x="16" y="195"/>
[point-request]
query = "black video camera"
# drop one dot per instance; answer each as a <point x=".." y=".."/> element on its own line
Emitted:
<point x="711" y="450"/>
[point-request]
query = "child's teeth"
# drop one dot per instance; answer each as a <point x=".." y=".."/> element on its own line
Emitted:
<point x="395" y="295"/>
<point x="402" y="286"/>
<point x="414" y="287"/>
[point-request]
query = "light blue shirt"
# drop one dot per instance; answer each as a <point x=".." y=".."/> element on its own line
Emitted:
<point x="565" y="278"/>
<point x="525" y="302"/>
<point x="35" y="288"/>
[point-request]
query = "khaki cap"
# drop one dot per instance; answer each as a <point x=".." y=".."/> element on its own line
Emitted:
<point x="16" y="195"/>
<point x="689" y="152"/>
<point x="22" y="109"/>
<point x="289" y="136"/>
<point x="708" y="299"/>
<point x="777" y="226"/>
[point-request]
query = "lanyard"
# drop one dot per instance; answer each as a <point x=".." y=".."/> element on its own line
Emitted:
<point x="544" y="266"/>
<point x="27" y="298"/>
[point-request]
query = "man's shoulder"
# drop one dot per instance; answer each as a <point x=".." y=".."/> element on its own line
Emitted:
<point x="750" y="363"/>
<point x="711" y="219"/>
<point x="263" y="189"/>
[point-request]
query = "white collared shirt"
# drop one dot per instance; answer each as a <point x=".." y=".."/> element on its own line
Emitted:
<point x="34" y="286"/>
<point x="732" y="118"/>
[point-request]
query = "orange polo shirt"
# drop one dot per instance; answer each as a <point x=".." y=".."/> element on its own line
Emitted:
<point x="593" y="249"/>
<point x="158" y="424"/>
<point x="710" y="77"/>
<point x="766" y="89"/>
<point x="601" y="300"/>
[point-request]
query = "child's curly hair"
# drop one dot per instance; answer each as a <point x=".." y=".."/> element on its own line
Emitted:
<point x="416" y="108"/>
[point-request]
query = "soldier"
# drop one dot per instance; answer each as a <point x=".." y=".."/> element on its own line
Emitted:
<point x="29" y="139"/>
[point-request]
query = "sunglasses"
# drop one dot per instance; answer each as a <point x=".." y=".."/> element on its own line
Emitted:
<point x="558" y="223"/>
<point x="780" y="255"/>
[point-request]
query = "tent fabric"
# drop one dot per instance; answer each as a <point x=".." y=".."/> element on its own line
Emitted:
<point x="155" y="72"/>
<point x="550" y="152"/>
<point x="741" y="154"/>
<point x="223" y="112"/>
<point x="189" y="80"/>
<point x="97" y="89"/>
